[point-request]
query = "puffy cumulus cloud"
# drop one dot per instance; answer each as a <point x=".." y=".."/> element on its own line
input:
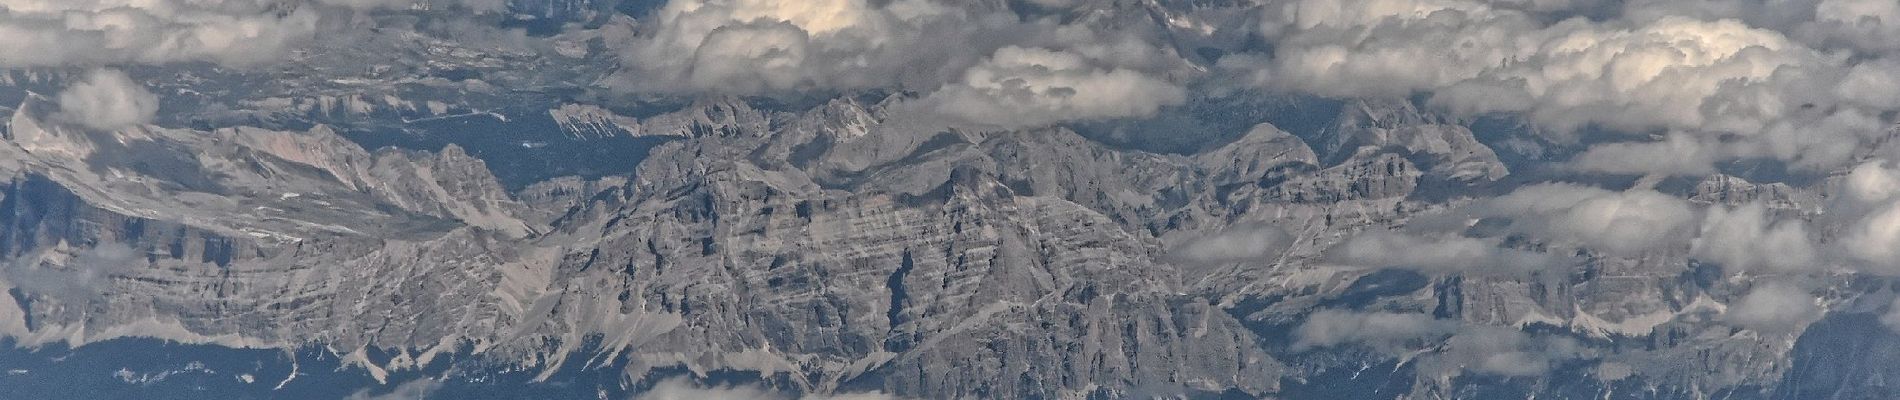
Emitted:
<point x="1380" y="330"/>
<point x="1861" y="26"/>
<point x="107" y="99"/>
<point x="1236" y="244"/>
<point x="1867" y="207"/>
<point x="1875" y="84"/>
<point x="1872" y="182"/>
<point x="752" y="47"/>
<point x="1865" y="25"/>
<point x="1744" y="238"/>
<point x="471" y="5"/>
<point x="39" y="33"/>
<point x="1022" y="87"/>
<point x="1660" y="75"/>
<point x="1626" y="222"/>
<point x="1362" y="48"/>
<point x="1558" y="7"/>
<point x="682" y="389"/>
<point x="1772" y="307"/>
<point x="90" y="32"/>
<point x="1721" y="88"/>
<point x="1442" y="253"/>
<point x="972" y="64"/>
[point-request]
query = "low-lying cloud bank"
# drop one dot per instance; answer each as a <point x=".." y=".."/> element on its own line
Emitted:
<point x="1447" y="345"/>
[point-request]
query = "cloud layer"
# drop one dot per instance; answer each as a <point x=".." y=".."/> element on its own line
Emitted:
<point x="1019" y="87"/>
<point x="1454" y="348"/>
<point x="93" y="32"/>
<point x="1715" y="89"/>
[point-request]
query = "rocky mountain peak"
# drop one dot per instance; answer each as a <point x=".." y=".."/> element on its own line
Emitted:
<point x="1445" y="150"/>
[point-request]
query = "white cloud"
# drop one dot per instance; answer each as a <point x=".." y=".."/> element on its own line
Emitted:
<point x="1875" y="84"/>
<point x="1722" y="88"/>
<point x="1481" y="349"/>
<point x="1682" y="75"/>
<point x="1742" y="238"/>
<point x="472" y="5"/>
<point x="1496" y="350"/>
<point x="753" y="47"/>
<point x="1383" y="48"/>
<point x="411" y="390"/>
<point x="1617" y="222"/>
<point x="107" y="99"/>
<point x="1440" y="253"/>
<point x="92" y="32"/>
<point x="1867" y="210"/>
<point x="1236" y="244"/>
<point x="1507" y="351"/>
<point x="238" y="33"/>
<point x="74" y="279"/>
<point x="1027" y="87"/>
<point x="1772" y="307"/>
<point x="1876" y="238"/>
<point x="682" y="389"/>
<point x="974" y="65"/>
<point x="1891" y="318"/>
<point x="1381" y="330"/>
<point x="1677" y="154"/>
<point x="1865" y="25"/>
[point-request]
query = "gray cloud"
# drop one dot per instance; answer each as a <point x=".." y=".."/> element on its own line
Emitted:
<point x="1720" y="89"/>
<point x="107" y="99"/>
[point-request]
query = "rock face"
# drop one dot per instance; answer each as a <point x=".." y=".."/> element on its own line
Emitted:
<point x="830" y="250"/>
<point x="1370" y="127"/>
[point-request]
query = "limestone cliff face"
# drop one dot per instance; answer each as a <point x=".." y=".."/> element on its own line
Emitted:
<point x="824" y="250"/>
